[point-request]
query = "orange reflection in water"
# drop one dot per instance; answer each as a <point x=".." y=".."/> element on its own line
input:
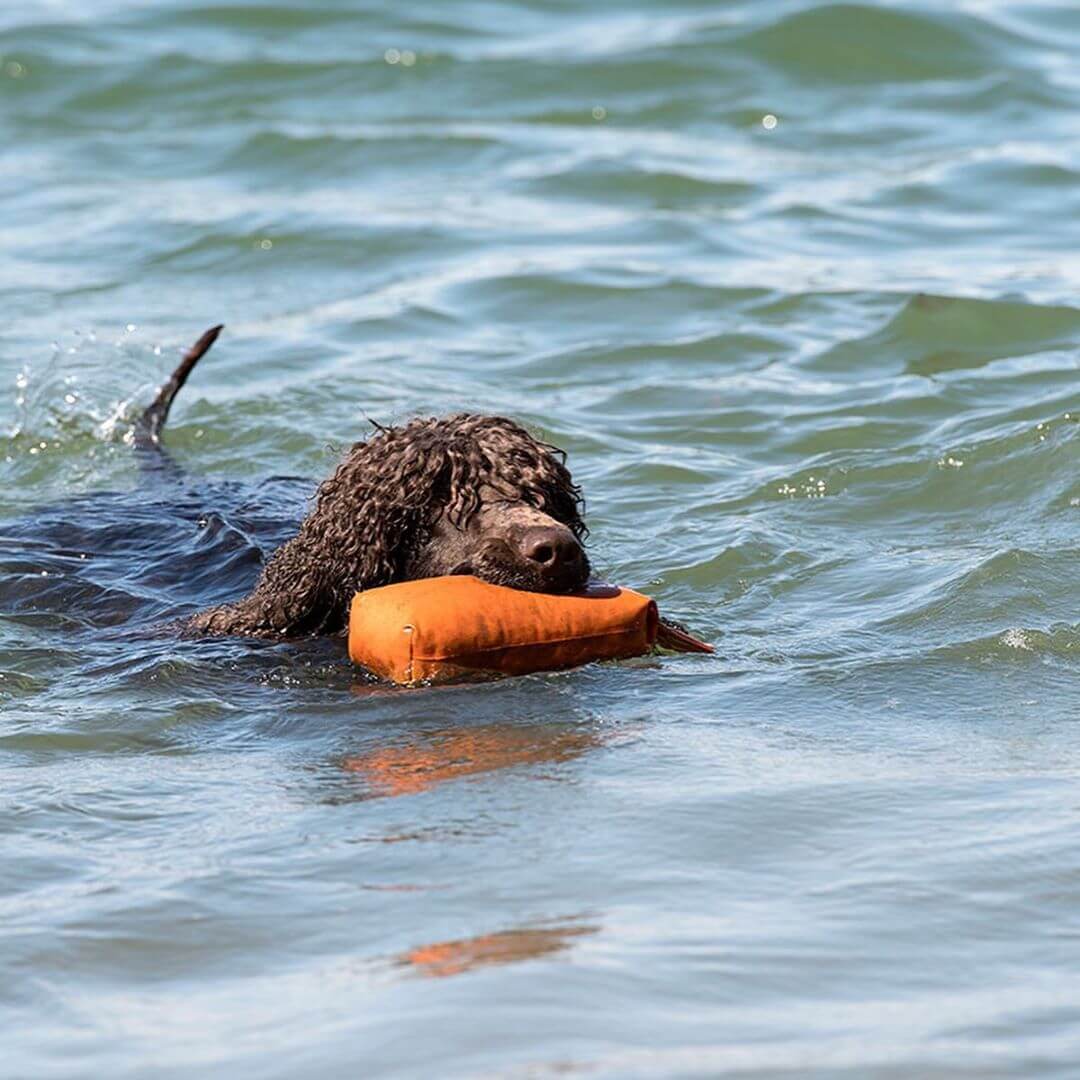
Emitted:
<point x="436" y="757"/>
<point x="504" y="947"/>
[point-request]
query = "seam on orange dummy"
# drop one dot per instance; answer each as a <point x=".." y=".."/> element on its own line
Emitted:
<point x="410" y="630"/>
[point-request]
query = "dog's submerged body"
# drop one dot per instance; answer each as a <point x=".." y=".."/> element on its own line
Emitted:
<point x="466" y="494"/>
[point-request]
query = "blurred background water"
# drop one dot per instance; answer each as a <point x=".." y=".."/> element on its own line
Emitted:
<point x="795" y="284"/>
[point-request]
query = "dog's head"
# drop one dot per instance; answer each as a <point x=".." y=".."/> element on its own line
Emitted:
<point x="462" y="495"/>
<point x="507" y="542"/>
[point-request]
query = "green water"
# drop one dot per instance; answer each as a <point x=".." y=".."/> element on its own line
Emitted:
<point x="795" y="285"/>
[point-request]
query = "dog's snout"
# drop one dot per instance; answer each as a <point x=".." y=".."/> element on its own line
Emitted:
<point x="551" y="548"/>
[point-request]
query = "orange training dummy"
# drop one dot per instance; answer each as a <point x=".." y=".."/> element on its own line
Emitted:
<point x="446" y="628"/>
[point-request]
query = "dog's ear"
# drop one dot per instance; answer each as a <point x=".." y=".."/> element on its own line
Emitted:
<point x="370" y="514"/>
<point x="367" y="519"/>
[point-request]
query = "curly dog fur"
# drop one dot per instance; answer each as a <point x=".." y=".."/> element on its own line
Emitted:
<point x="460" y="494"/>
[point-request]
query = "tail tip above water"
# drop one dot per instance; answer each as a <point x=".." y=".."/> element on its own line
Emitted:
<point x="148" y="429"/>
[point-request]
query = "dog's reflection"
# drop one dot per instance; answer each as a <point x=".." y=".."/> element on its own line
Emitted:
<point x="434" y="757"/>
<point x="503" y="947"/>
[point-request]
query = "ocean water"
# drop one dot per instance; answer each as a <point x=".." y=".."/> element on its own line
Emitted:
<point x="796" y="286"/>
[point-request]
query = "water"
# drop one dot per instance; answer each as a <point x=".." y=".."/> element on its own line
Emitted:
<point x="818" y="379"/>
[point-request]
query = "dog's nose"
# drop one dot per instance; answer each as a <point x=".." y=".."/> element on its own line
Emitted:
<point x="551" y="547"/>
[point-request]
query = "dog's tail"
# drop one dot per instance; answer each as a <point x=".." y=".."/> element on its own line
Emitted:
<point x="148" y="428"/>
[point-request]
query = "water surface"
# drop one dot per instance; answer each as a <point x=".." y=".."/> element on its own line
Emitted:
<point x="795" y="284"/>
